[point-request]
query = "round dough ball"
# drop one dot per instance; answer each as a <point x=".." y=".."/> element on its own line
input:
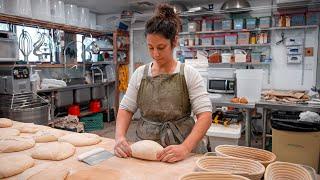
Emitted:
<point x="4" y="132"/>
<point x="47" y="171"/>
<point x="83" y="139"/>
<point x="15" y="143"/>
<point x="26" y="127"/>
<point x="146" y="149"/>
<point x="5" y="122"/>
<point x="11" y="165"/>
<point x="48" y="135"/>
<point x="55" y="151"/>
<point x="95" y="174"/>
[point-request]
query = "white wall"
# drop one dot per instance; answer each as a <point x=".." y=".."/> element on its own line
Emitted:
<point x="289" y="76"/>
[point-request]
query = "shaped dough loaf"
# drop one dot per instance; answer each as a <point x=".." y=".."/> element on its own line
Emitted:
<point x="11" y="165"/>
<point x="146" y="149"/>
<point x="55" y="151"/>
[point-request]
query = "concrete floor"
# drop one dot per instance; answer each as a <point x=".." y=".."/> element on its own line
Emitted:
<point x="109" y="132"/>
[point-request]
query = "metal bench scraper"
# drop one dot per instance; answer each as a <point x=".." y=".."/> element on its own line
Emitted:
<point x="95" y="156"/>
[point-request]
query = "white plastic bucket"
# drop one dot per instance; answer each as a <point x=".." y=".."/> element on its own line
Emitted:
<point x="41" y="9"/>
<point x="19" y="7"/>
<point x="93" y="21"/>
<point x="57" y="11"/>
<point x="84" y="17"/>
<point x="71" y="14"/>
<point x="249" y="83"/>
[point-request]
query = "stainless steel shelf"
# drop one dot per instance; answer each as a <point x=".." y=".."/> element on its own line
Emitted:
<point x="228" y="46"/>
<point x="225" y="31"/>
<point x="246" y="63"/>
<point x="249" y="30"/>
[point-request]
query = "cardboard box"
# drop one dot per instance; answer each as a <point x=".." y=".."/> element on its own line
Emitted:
<point x="297" y="147"/>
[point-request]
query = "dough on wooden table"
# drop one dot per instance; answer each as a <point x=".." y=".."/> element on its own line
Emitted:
<point x="95" y="174"/>
<point x="55" y="151"/>
<point x="45" y="171"/>
<point x="5" y="122"/>
<point x="146" y="149"/>
<point x="80" y="139"/>
<point x="4" y="132"/>
<point x="48" y="135"/>
<point x="15" y="143"/>
<point x="11" y="165"/>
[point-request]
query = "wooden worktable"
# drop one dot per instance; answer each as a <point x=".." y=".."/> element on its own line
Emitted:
<point x="129" y="168"/>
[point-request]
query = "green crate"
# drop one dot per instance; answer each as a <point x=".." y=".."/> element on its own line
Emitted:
<point x="93" y="122"/>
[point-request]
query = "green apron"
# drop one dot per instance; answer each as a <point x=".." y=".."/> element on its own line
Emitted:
<point x="165" y="109"/>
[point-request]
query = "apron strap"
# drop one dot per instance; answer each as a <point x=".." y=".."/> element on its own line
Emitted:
<point x="181" y="68"/>
<point x="145" y="71"/>
<point x="169" y="131"/>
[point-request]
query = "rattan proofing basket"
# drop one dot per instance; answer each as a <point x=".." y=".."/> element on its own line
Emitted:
<point x="263" y="156"/>
<point x="283" y="170"/>
<point x="237" y="166"/>
<point x="211" y="175"/>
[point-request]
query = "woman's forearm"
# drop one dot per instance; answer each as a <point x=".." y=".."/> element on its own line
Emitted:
<point x="122" y="123"/>
<point x="198" y="131"/>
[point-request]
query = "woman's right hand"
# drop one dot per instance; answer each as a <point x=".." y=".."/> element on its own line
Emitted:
<point x="122" y="148"/>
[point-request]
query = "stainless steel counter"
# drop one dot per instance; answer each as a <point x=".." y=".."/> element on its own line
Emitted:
<point x="224" y="100"/>
<point x="267" y="106"/>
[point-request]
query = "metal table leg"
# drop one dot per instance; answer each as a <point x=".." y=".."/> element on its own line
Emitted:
<point x="264" y="127"/>
<point x="248" y="127"/>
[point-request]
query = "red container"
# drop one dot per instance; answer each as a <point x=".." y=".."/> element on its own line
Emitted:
<point x="95" y="106"/>
<point x="74" y="110"/>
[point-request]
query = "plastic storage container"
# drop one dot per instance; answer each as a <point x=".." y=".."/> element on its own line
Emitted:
<point x="298" y="20"/>
<point x="218" y="40"/>
<point x="57" y="11"/>
<point x="249" y="83"/>
<point x="71" y="14"/>
<point x="227" y="24"/>
<point x="243" y="37"/>
<point x="206" y="40"/>
<point x="264" y="22"/>
<point x="217" y="24"/>
<point x="238" y="24"/>
<point x="251" y="23"/>
<point x="93" y="122"/>
<point x="313" y="18"/>
<point x="230" y="39"/>
<point x="220" y="135"/>
<point x="255" y="57"/>
<point x="41" y="9"/>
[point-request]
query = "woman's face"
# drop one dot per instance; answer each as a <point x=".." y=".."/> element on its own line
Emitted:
<point x="160" y="48"/>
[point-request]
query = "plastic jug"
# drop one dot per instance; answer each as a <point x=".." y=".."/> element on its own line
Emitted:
<point x="240" y="55"/>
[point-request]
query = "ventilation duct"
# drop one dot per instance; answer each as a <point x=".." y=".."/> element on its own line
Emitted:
<point x="236" y="6"/>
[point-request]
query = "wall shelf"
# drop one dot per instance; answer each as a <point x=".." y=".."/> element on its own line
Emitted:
<point x="18" y="20"/>
<point x="246" y="63"/>
<point x="226" y="46"/>
<point x="249" y="30"/>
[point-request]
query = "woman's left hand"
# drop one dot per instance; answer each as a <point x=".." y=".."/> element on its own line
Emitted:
<point x="173" y="153"/>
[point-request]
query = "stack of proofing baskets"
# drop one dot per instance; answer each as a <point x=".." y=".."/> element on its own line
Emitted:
<point x="239" y="162"/>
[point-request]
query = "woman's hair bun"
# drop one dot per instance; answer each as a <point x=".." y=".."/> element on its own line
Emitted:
<point x="165" y="11"/>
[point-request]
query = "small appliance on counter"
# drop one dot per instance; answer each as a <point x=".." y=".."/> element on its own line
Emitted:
<point x="221" y="80"/>
<point x="18" y="102"/>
